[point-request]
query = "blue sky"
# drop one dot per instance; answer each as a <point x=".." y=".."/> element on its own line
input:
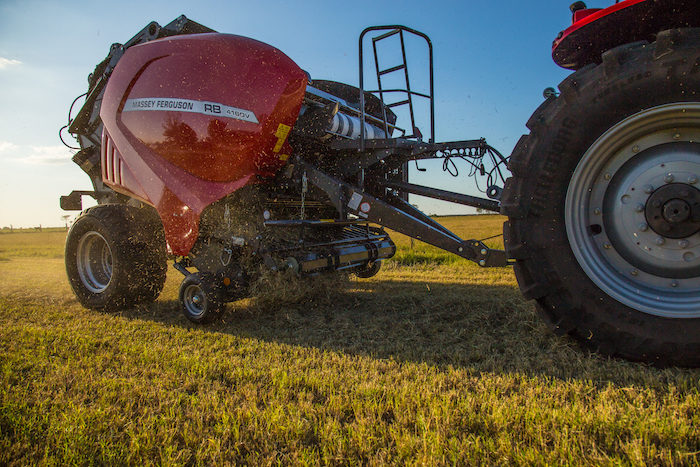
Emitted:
<point x="492" y="61"/>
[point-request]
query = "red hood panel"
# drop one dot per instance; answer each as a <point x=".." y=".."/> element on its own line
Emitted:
<point x="196" y="117"/>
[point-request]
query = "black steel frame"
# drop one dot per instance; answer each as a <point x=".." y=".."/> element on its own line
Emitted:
<point x="389" y="210"/>
<point x="393" y="30"/>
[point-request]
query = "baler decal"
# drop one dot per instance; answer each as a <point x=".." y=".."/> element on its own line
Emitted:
<point x="281" y="134"/>
<point x="188" y="105"/>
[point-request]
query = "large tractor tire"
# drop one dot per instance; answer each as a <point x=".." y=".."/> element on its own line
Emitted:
<point x="116" y="257"/>
<point x="604" y="203"/>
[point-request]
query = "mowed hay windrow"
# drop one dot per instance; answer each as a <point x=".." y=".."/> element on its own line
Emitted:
<point x="433" y="361"/>
<point x="277" y="289"/>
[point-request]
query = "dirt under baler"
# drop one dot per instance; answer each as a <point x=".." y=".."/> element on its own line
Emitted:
<point x="221" y="152"/>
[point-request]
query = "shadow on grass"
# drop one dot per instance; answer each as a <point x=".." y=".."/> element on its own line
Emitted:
<point x="475" y="327"/>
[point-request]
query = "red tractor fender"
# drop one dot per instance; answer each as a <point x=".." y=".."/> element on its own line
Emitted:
<point x="596" y="30"/>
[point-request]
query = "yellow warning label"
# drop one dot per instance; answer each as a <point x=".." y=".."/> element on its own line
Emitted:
<point x="281" y="134"/>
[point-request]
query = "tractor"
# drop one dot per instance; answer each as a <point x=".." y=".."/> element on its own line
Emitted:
<point x="221" y="154"/>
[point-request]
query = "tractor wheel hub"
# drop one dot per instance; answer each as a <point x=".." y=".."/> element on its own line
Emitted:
<point x="669" y="210"/>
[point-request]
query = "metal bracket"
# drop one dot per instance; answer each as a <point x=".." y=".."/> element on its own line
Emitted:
<point x="488" y="257"/>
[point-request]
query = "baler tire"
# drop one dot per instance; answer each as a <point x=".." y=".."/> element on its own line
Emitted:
<point x="559" y="171"/>
<point x="199" y="304"/>
<point x="132" y="266"/>
<point x="368" y="271"/>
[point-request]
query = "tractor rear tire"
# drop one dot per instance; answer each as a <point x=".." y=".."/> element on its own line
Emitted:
<point x="116" y="257"/>
<point x="604" y="219"/>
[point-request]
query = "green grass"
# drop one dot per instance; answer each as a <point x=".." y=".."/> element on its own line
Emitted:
<point x="47" y="243"/>
<point x="439" y="362"/>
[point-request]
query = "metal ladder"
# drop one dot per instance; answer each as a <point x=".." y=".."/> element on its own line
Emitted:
<point x="403" y="66"/>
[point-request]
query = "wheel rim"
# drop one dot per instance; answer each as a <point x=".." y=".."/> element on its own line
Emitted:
<point x="94" y="261"/>
<point x="194" y="300"/>
<point x="632" y="211"/>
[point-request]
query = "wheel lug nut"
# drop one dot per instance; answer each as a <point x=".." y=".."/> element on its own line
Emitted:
<point x="659" y="241"/>
<point x="677" y="136"/>
<point x="683" y="243"/>
<point x="693" y="179"/>
<point x="669" y="178"/>
<point x="648" y="189"/>
<point x="643" y="227"/>
<point x="674" y="283"/>
<point x="607" y="245"/>
<point x="607" y="176"/>
<point x="639" y="207"/>
<point x="635" y="148"/>
<point x="634" y="272"/>
<point x="596" y="211"/>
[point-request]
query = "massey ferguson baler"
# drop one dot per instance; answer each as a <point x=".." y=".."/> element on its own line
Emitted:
<point x="222" y="153"/>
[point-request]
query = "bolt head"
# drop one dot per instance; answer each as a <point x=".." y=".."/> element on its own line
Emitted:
<point x="634" y="272"/>
<point x="668" y="178"/>
<point x="693" y="179"/>
<point x="639" y="207"/>
<point x="482" y="263"/>
<point x="643" y="227"/>
<point x="607" y="176"/>
<point x="635" y="148"/>
<point x="683" y="243"/>
<point x="660" y="241"/>
<point x="607" y="245"/>
<point x="483" y="251"/>
<point x="674" y="283"/>
<point x="648" y="189"/>
<point x="596" y="211"/>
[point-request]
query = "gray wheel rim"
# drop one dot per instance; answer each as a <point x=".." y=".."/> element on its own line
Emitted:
<point x="606" y="206"/>
<point x="194" y="300"/>
<point x="94" y="261"/>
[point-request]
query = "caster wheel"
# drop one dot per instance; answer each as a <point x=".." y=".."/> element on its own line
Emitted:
<point x="198" y="302"/>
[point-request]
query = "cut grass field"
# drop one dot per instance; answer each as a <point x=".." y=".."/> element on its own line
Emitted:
<point x="433" y="361"/>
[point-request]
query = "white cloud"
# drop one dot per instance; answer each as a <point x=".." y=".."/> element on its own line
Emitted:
<point x="7" y="62"/>
<point x="6" y="146"/>
<point x="47" y="155"/>
<point x="35" y="155"/>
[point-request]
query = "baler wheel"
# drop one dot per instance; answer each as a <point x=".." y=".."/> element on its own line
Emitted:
<point x="604" y="203"/>
<point x="198" y="302"/>
<point x="368" y="271"/>
<point x="115" y="257"/>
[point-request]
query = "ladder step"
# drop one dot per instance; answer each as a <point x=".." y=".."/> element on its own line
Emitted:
<point x="392" y="69"/>
<point x="396" y="104"/>
<point x="385" y="35"/>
